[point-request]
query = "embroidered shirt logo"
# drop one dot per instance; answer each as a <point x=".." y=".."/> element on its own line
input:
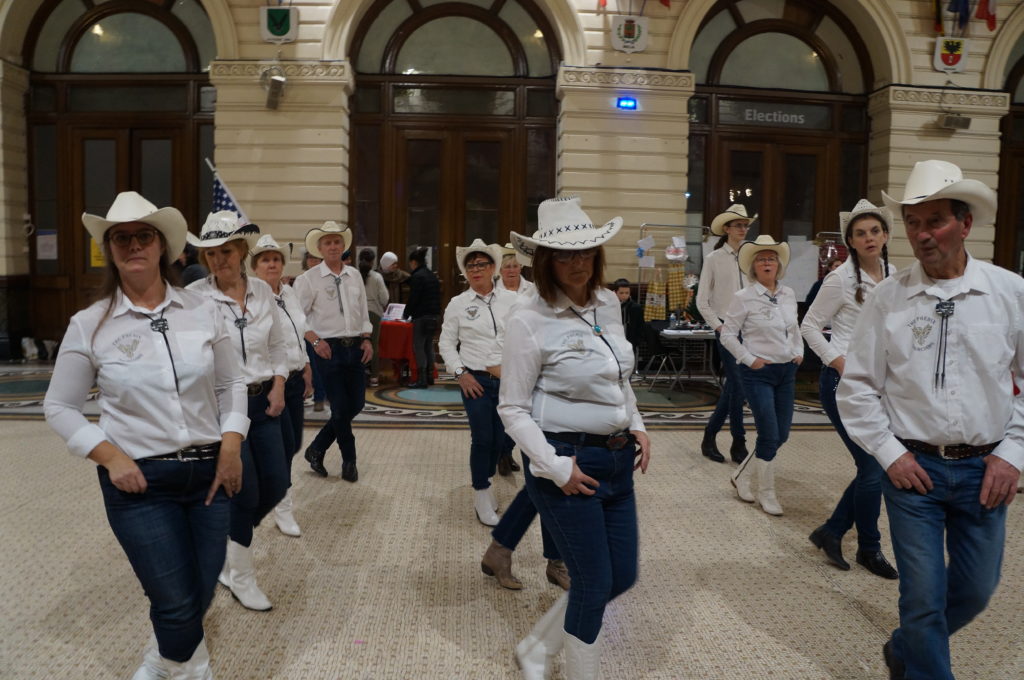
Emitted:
<point x="575" y="341"/>
<point x="921" y="327"/>
<point x="472" y="312"/>
<point x="128" y="345"/>
<point x="332" y="292"/>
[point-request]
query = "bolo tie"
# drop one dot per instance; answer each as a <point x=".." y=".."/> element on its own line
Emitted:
<point x="944" y="309"/>
<point x="240" y="323"/>
<point x="494" y="323"/>
<point x="774" y="299"/>
<point x="280" y="303"/>
<point x="337" y="286"/>
<point x="599" y="332"/>
<point x="160" y="325"/>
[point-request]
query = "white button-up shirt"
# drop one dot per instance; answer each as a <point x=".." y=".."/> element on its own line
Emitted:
<point x="836" y="302"/>
<point x="318" y="295"/>
<point x="769" y="329"/>
<point x="557" y="375"/>
<point x="142" y="412"/>
<point x="376" y="293"/>
<point x="473" y="331"/>
<point x="293" y="321"/>
<point x="720" y="280"/>
<point x="261" y="344"/>
<point x="524" y="286"/>
<point x="889" y="385"/>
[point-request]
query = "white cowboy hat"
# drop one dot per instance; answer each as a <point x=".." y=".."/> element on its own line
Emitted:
<point x="221" y="227"/>
<point x="491" y="250"/>
<point x="733" y="212"/>
<point x="314" y="235"/>
<point x="764" y="242"/>
<point x="267" y="243"/>
<point x="933" y="180"/>
<point x="129" y="206"/>
<point x="562" y="225"/>
<point x="865" y="207"/>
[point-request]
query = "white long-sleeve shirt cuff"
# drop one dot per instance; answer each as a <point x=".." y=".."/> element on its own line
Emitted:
<point x="889" y="451"/>
<point x="234" y="422"/>
<point x="543" y="460"/>
<point x="1012" y="452"/>
<point x="82" y="442"/>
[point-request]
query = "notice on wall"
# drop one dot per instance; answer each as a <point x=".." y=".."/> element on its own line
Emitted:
<point x="46" y="244"/>
<point x="96" y="258"/>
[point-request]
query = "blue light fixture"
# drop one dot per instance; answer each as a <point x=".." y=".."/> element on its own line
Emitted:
<point x="626" y="104"/>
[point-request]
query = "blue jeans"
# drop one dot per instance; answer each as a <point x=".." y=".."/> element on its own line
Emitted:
<point x="936" y="599"/>
<point x="862" y="501"/>
<point x="770" y="392"/>
<point x="486" y="430"/>
<point x="730" y="401"/>
<point x="345" y="381"/>
<point x="318" y="382"/>
<point x="175" y="544"/>
<point x="292" y="419"/>
<point x="516" y="520"/>
<point x="264" y="472"/>
<point x="596" y="535"/>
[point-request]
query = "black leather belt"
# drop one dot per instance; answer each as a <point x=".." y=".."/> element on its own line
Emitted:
<point x="345" y="342"/>
<point x="949" y="451"/>
<point x="614" y="441"/>
<point x="190" y="454"/>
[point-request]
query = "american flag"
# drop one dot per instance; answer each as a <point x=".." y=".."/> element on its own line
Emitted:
<point x="224" y="200"/>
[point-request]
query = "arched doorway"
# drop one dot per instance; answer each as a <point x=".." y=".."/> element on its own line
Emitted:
<point x="779" y="119"/>
<point x="1009" y="245"/>
<point x="119" y="100"/>
<point x="453" y="125"/>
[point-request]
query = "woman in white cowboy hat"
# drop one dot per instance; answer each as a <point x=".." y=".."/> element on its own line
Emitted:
<point x="172" y="419"/>
<point x="866" y="231"/>
<point x="567" y="402"/>
<point x="762" y="332"/>
<point x="511" y="273"/>
<point x="267" y="260"/>
<point x="248" y="308"/>
<point x="720" y="279"/>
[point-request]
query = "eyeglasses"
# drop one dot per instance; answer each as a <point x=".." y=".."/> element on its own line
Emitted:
<point x="567" y="256"/>
<point x="478" y="265"/>
<point x="739" y="225"/>
<point x="765" y="260"/>
<point x="123" y="239"/>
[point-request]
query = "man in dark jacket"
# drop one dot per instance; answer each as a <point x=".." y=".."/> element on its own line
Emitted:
<point x="424" y="308"/>
<point x="632" y="313"/>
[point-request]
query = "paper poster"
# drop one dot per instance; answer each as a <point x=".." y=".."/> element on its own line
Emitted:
<point x="46" y="244"/>
<point x="96" y="258"/>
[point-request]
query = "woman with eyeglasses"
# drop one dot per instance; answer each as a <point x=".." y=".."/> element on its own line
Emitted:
<point x="762" y="332"/>
<point x="248" y="308"/>
<point x="720" y="279"/>
<point x="567" y="402"/>
<point x="172" y="419"/>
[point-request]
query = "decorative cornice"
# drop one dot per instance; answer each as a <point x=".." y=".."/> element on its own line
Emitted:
<point x="313" y="71"/>
<point x="978" y="102"/>
<point x="634" y="79"/>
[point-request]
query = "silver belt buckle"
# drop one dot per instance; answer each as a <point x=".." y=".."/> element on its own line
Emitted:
<point x="942" y="451"/>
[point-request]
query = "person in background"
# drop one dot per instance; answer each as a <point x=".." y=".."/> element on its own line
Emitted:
<point x="167" y="446"/>
<point x="632" y="312"/>
<point x="720" y="280"/>
<point x="833" y="264"/>
<point x="376" y="303"/>
<point x="394" y="276"/>
<point x="267" y="260"/>
<point x="193" y="269"/>
<point x="308" y="261"/>
<point x="762" y="332"/>
<point x="510" y="275"/>
<point x="866" y="233"/>
<point x="424" y="308"/>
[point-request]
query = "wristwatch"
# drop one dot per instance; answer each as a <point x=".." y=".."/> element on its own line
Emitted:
<point x="459" y="371"/>
<point x="316" y="342"/>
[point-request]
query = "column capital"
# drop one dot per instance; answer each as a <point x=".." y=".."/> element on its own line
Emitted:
<point x="599" y="78"/>
<point x="308" y="72"/>
<point x="939" y="100"/>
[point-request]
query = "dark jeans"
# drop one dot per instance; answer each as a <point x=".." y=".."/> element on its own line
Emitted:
<point x="318" y="382"/>
<point x="375" y="339"/>
<point x="423" y="329"/>
<point x="264" y="472"/>
<point x="862" y="501"/>
<point x="486" y="430"/>
<point x="175" y="544"/>
<point x="936" y="599"/>
<point x="292" y="419"/>
<point x="596" y="535"/>
<point x="516" y="520"/>
<point x="730" y="401"/>
<point x="345" y="380"/>
<point x="770" y="391"/>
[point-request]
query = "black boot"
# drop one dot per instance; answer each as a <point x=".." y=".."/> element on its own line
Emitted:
<point x="316" y="460"/>
<point x="709" y="448"/>
<point x="504" y="469"/>
<point x="738" y="451"/>
<point x="875" y="562"/>
<point x="831" y="545"/>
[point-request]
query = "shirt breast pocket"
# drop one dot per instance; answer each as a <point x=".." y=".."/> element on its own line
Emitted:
<point x="988" y="347"/>
<point x="194" y="347"/>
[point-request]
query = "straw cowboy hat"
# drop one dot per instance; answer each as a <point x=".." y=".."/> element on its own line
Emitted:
<point x="865" y="207"/>
<point x="733" y="212"/>
<point x="221" y="227"/>
<point x="268" y="244"/>
<point x="933" y="180"/>
<point x="491" y="250"/>
<point x="562" y="225"/>
<point x="329" y="227"/>
<point x="764" y="242"/>
<point x="129" y="206"/>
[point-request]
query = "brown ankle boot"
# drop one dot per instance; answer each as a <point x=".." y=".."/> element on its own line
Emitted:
<point x="558" y="574"/>
<point x="497" y="562"/>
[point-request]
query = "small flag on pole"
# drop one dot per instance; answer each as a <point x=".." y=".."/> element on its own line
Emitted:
<point x="987" y="11"/>
<point x="223" y="199"/>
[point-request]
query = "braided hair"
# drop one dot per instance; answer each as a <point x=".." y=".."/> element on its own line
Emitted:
<point x="847" y="235"/>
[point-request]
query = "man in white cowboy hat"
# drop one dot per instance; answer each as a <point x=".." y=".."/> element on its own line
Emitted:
<point x="927" y="390"/>
<point x="334" y="300"/>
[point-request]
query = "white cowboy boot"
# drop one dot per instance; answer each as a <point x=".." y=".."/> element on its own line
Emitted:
<point x="153" y="666"/>
<point x="536" y="653"/>
<point x="242" y="578"/>
<point x="196" y="668"/>
<point x="490" y="492"/>
<point x="766" y="487"/>
<point x="284" y="517"/>
<point x="741" y="479"/>
<point x="582" y="661"/>
<point x="484" y="507"/>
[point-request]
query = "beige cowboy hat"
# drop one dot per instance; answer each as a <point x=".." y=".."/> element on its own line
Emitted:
<point x="733" y="212"/>
<point x="865" y="207"/>
<point x="562" y="225"/>
<point x="314" y="235"/>
<point x="491" y="250"/>
<point x="266" y="243"/>
<point x="764" y="242"/>
<point x="933" y="180"/>
<point x="221" y="227"/>
<point x="128" y="206"/>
